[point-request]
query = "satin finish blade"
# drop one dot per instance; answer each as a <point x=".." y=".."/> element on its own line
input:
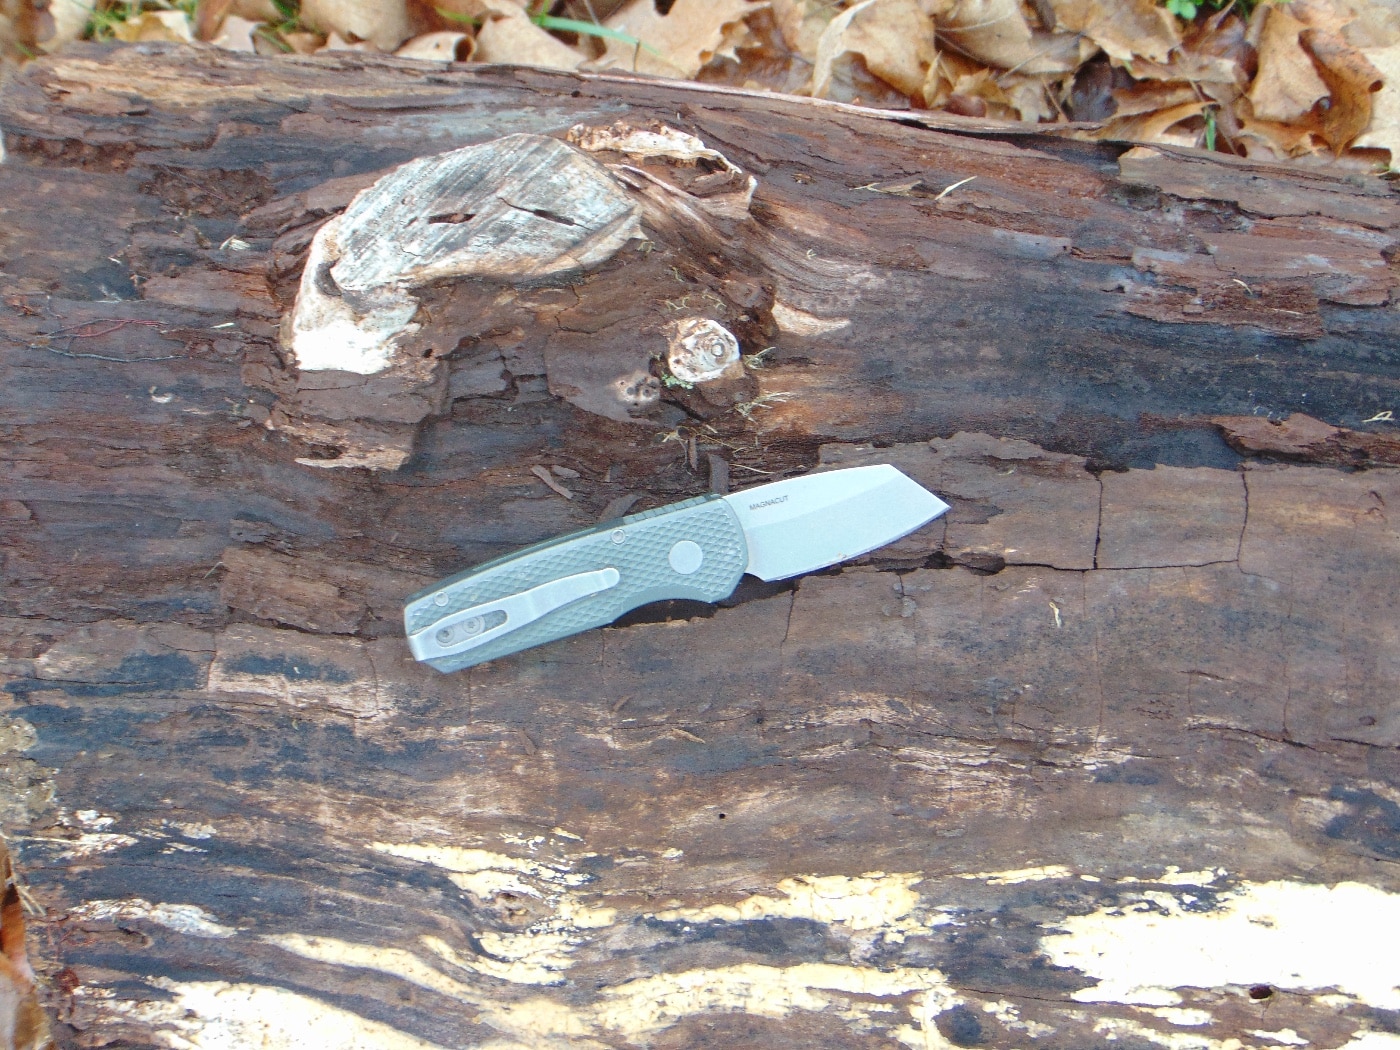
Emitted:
<point x="807" y="523"/>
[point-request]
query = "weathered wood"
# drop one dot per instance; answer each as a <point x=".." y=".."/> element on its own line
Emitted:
<point x="1107" y="757"/>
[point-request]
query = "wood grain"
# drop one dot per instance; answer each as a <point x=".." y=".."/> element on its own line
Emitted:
<point x="1137" y="689"/>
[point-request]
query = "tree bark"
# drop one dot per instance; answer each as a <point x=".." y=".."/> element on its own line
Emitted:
<point x="1109" y="755"/>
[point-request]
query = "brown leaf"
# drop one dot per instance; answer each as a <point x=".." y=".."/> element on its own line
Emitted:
<point x="208" y="16"/>
<point x="1155" y="125"/>
<point x="1288" y="85"/>
<point x="1371" y="25"/>
<point x="445" y="46"/>
<point x="1150" y="97"/>
<point x="1215" y="56"/>
<point x="508" y="35"/>
<point x="170" y="26"/>
<point x="894" y="38"/>
<point x="1125" y="29"/>
<point x="384" y="23"/>
<point x="1351" y="80"/>
<point x="24" y="1025"/>
<point x="1272" y="140"/>
<point x="802" y="23"/>
<point x="236" y="34"/>
<point x="689" y="36"/>
<point x="69" y="18"/>
<point x="995" y="32"/>
<point x="301" y="42"/>
<point x="1384" y="129"/>
<point x="334" y="42"/>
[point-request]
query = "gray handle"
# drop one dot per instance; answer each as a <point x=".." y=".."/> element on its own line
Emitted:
<point x="587" y="579"/>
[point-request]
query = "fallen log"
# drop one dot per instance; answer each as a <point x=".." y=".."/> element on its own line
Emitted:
<point x="1108" y="755"/>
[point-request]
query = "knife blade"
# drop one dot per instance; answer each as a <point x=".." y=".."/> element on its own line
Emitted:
<point x="696" y="549"/>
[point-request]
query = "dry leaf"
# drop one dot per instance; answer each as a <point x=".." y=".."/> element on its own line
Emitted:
<point x="1371" y="25"/>
<point x="894" y="38"/>
<point x="508" y="35"/>
<point x="1272" y="140"/>
<point x="1215" y="57"/>
<point x="1157" y="125"/>
<point x="445" y="46"/>
<point x="1125" y="29"/>
<point x="70" y="18"/>
<point x="802" y="23"/>
<point x="691" y="35"/>
<point x="1150" y="97"/>
<point x="384" y="23"/>
<point x="23" y="1024"/>
<point x="334" y="42"/>
<point x="1030" y="97"/>
<point x="1320" y="14"/>
<point x="209" y="15"/>
<point x="1287" y="86"/>
<point x="1350" y="79"/>
<point x="1384" y="130"/>
<point x="171" y="26"/>
<point x="236" y="34"/>
<point x="978" y="94"/>
<point x="301" y="42"/>
<point x="995" y="32"/>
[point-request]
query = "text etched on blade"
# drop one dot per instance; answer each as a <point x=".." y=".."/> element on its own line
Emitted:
<point x="767" y="502"/>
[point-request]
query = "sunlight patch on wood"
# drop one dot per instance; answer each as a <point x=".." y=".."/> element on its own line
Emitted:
<point x="874" y="900"/>
<point x="218" y="1015"/>
<point x="189" y="919"/>
<point x="800" y="322"/>
<point x="1276" y="933"/>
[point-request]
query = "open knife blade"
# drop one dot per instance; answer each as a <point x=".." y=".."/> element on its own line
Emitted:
<point x="695" y="549"/>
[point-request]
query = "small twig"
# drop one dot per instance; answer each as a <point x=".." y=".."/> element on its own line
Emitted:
<point x="747" y="408"/>
<point x="950" y="189"/>
<point x="1381" y="417"/>
<point x="114" y="323"/>
<point x="760" y="359"/>
<point x="103" y="357"/>
<point x="27" y="899"/>
<point x="544" y="475"/>
<point x="74" y="332"/>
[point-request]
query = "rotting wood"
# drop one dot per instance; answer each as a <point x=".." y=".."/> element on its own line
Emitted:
<point x="1133" y="690"/>
<point x="1301" y="437"/>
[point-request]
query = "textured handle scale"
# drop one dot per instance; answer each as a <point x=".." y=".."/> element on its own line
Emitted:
<point x="587" y="579"/>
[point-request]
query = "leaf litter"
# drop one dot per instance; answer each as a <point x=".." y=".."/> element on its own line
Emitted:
<point x="1315" y="81"/>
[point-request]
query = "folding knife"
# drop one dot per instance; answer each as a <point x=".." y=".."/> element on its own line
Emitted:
<point x="696" y="549"/>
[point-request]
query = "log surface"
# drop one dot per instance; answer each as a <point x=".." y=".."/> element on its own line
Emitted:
<point x="1106" y="757"/>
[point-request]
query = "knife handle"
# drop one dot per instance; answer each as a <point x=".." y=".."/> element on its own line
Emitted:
<point x="694" y="549"/>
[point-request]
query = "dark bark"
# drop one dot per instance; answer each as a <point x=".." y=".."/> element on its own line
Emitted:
<point x="1138" y="671"/>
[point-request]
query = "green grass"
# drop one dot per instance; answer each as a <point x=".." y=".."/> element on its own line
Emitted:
<point x="561" y="25"/>
<point x="1187" y="10"/>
